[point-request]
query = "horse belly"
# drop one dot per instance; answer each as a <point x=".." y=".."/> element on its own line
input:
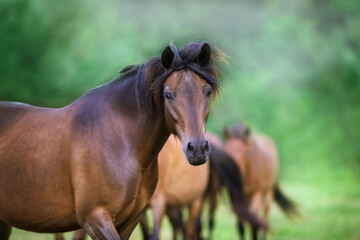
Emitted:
<point x="262" y="175"/>
<point x="29" y="205"/>
<point x="35" y="194"/>
<point x="38" y="213"/>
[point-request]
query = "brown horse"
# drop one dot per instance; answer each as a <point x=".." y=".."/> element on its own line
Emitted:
<point x="179" y="185"/>
<point x="257" y="158"/>
<point x="93" y="163"/>
<point x="182" y="185"/>
<point x="224" y="173"/>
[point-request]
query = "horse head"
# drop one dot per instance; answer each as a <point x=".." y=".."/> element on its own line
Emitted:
<point x="187" y="100"/>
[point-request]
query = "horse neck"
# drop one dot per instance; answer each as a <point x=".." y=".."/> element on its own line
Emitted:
<point x="117" y="108"/>
<point x="149" y="139"/>
<point x="147" y="133"/>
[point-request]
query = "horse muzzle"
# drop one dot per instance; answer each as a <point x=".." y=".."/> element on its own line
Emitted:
<point x="197" y="150"/>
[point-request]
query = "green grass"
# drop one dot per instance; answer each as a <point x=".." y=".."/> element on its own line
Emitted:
<point x="329" y="211"/>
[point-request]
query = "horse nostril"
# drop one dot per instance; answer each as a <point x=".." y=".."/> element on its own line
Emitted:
<point x="191" y="147"/>
<point x="205" y="147"/>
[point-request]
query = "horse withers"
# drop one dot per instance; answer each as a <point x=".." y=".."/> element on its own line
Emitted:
<point x="93" y="163"/>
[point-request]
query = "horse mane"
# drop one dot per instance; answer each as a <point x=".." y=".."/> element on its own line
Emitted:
<point x="151" y="75"/>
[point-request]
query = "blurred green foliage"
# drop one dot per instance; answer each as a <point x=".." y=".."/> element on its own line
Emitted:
<point x="293" y="72"/>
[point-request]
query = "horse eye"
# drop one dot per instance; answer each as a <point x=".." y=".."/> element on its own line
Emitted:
<point x="168" y="96"/>
<point x="208" y="93"/>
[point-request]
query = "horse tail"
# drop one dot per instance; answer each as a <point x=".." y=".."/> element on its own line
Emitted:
<point x="229" y="174"/>
<point x="286" y="205"/>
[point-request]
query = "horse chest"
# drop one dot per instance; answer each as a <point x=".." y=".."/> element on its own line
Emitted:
<point x="135" y="197"/>
<point x="116" y="183"/>
<point x="186" y="183"/>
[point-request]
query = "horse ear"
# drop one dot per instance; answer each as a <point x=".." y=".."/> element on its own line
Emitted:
<point x="167" y="57"/>
<point x="204" y="55"/>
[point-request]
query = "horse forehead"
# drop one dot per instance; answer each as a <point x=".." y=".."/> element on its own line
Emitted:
<point x="186" y="80"/>
<point x="192" y="79"/>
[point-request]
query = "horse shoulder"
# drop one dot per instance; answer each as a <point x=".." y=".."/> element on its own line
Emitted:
<point x="108" y="171"/>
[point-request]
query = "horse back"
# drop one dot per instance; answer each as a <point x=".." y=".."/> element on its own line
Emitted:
<point x="10" y="112"/>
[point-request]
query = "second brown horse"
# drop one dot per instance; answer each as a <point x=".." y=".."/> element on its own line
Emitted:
<point x="182" y="185"/>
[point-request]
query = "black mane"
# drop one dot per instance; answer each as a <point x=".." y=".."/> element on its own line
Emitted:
<point x="151" y="75"/>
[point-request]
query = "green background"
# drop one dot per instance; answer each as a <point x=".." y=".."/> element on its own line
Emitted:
<point x="293" y="73"/>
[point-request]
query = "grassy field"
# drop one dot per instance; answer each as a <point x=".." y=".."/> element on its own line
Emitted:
<point x="329" y="211"/>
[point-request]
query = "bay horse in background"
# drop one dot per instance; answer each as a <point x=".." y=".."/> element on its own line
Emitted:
<point x="182" y="185"/>
<point x="93" y="163"/>
<point x="257" y="158"/>
<point x="224" y="173"/>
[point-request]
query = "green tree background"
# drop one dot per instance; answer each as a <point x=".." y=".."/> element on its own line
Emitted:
<point x="293" y="73"/>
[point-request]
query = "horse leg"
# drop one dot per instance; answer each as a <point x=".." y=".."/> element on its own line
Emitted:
<point x="79" y="234"/>
<point x="175" y="217"/>
<point x="269" y="198"/>
<point x="195" y="209"/>
<point x="240" y="224"/>
<point x="213" y="205"/>
<point x="254" y="231"/>
<point x="125" y="233"/>
<point x="59" y="236"/>
<point x="5" y="231"/>
<point x="198" y="227"/>
<point x="99" y="225"/>
<point x="173" y="221"/>
<point x="158" y="207"/>
<point x="241" y="230"/>
<point x="144" y="226"/>
<point x="182" y="225"/>
<point x="256" y="200"/>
